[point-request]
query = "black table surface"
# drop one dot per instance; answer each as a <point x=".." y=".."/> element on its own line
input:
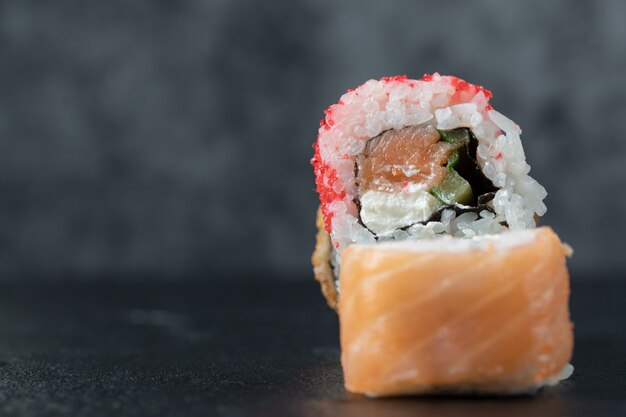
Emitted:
<point x="241" y="348"/>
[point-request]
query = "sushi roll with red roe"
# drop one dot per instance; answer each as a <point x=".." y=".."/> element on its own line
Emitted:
<point x="398" y="159"/>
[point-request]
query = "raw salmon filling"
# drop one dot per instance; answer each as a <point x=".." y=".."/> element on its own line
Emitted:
<point x="406" y="176"/>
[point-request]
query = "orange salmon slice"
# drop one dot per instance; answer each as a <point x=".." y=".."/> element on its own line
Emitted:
<point x="413" y="154"/>
<point x="481" y="315"/>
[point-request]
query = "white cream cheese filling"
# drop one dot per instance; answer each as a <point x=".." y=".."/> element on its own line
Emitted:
<point x="384" y="212"/>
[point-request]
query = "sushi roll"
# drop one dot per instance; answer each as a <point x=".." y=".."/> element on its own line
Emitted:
<point x="398" y="159"/>
<point x="485" y="315"/>
<point x="427" y="244"/>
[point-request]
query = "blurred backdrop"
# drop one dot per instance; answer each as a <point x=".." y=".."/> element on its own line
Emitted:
<point x="172" y="139"/>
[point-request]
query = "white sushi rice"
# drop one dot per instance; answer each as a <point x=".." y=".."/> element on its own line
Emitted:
<point x="378" y="106"/>
<point x="447" y="243"/>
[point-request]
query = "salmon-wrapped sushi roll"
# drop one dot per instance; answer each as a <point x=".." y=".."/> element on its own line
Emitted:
<point x="428" y="248"/>
<point x="401" y="159"/>
<point x="486" y="314"/>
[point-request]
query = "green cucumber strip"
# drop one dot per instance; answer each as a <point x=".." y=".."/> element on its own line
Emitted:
<point x="453" y="161"/>
<point x="459" y="136"/>
<point x="453" y="189"/>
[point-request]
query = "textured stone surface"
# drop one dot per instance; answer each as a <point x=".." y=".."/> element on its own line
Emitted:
<point x="267" y="348"/>
<point x="175" y="137"/>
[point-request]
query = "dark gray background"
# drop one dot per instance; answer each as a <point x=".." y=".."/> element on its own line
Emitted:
<point x="172" y="138"/>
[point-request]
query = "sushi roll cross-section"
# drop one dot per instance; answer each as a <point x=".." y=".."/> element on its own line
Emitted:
<point x="402" y="159"/>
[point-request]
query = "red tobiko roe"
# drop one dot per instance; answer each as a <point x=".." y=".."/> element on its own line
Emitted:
<point x="394" y="78"/>
<point x="463" y="86"/>
<point x="325" y="190"/>
<point x="326" y="176"/>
